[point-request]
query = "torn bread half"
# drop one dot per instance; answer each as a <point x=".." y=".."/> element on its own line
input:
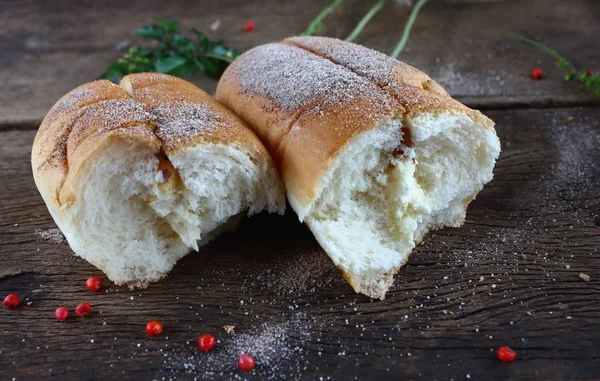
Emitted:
<point x="372" y="151"/>
<point x="136" y="175"/>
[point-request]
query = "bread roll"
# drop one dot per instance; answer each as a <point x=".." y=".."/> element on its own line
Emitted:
<point x="136" y="175"/>
<point x="372" y="151"/>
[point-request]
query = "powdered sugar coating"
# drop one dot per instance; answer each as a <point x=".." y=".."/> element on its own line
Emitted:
<point x="178" y="123"/>
<point x="67" y="102"/>
<point x="376" y="66"/>
<point x="114" y="114"/>
<point x="54" y="134"/>
<point x="103" y="107"/>
<point x="75" y="96"/>
<point x="105" y="116"/>
<point x="81" y="96"/>
<point x="407" y="84"/>
<point x="293" y="78"/>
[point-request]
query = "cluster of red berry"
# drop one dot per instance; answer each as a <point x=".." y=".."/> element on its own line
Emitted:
<point x="206" y="342"/>
<point x="93" y="284"/>
<point x="153" y="328"/>
<point x="62" y="313"/>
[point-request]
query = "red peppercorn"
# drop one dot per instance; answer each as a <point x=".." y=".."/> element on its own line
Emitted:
<point x="93" y="283"/>
<point x="154" y="328"/>
<point x="249" y="27"/>
<point x="506" y="354"/>
<point x="537" y="73"/>
<point x="246" y="362"/>
<point x="61" y="314"/>
<point x="11" y="301"/>
<point x="83" y="309"/>
<point x="589" y="73"/>
<point x="206" y="342"/>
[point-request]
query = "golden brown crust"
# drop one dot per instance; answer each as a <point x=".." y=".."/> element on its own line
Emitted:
<point x="163" y="112"/>
<point x="306" y="97"/>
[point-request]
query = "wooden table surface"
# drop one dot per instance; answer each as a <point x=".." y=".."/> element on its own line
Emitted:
<point x="509" y="276"/>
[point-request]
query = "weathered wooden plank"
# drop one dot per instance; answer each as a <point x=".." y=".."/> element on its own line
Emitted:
<point x="508" y="277"/>
<point x="49" y="47"/>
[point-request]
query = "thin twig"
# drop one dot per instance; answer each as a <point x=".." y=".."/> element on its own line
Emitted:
<point x="408" y="27"/>
<point x="548" y="50"/>
<point x="365" y="20"/>
<point x="315" y="25"/>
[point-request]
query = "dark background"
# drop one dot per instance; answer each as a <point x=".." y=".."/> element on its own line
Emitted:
<point x="509" y="276"/>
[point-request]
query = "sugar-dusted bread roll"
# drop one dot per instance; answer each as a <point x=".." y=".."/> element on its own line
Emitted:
<point x="372" y="151"/>
<point x="136" y="175"/>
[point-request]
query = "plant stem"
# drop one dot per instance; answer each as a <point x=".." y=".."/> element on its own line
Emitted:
<point x="315" y="25"/>
<point x="365" y="20"/>
<point x="548" y="50"/>
<point x="408" y="27"/>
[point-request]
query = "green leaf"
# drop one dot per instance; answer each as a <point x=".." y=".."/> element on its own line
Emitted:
<point x="175" y="54"/>
<point x="151" y="32"/>
<point x="562" y="63"/>
<point x="203" y="41"/>
<point x="199" y="65"/>
<point x="188" y="68"/>
<point x="183" y="42"/>
<point x="568" y="76"/>
<point x="169" y="64"/>
<point x="168" y="26"/>
<point x="212" y="68"/>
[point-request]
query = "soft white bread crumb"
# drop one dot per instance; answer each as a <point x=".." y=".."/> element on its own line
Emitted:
<point x="112" y="226"/>
<point x="134" y="224"/>
<point x="374" y="203"/>
<point x="219" y="181"/>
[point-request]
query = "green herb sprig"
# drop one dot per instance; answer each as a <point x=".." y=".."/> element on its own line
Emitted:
<point x="586" y="77"/>
<point x="173" y="53"/>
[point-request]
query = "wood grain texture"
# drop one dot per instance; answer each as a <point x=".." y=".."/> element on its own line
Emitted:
<point x="49" y="47"/>
<point x="509" y="276"/>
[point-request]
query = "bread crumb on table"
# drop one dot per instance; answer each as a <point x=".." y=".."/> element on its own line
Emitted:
<point x="584" y="276"/>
